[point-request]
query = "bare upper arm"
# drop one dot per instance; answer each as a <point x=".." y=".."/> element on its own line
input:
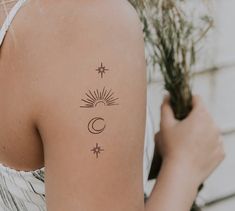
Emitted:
<point x="80" y="108"/>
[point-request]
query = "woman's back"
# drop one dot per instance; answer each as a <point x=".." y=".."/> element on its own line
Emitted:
<point x="21" y="151"/>
<point x="18" y="134"/>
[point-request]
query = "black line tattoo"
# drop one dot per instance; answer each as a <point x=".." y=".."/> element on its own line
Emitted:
<point x="97" y="97"/>
<point x="101" y="70"/>
<point x="97" y="150"/>
<point x="93" y="128"/>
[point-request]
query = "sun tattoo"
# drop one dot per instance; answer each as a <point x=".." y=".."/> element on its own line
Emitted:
<point x="97" y="150"/>
<point x="101" y="70"/>
<point x="96" y="97"/>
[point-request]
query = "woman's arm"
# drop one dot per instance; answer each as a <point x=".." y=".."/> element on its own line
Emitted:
<point x="175" y="189"/>
<point x="190" y="149"/>
<point x="79" y="109"/>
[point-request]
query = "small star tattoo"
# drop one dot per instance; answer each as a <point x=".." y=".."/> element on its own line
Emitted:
<point x="97" y="150"/>
<point x="101" y="70"/>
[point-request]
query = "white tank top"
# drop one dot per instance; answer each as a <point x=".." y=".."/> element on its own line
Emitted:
<point x="25" y="190"/>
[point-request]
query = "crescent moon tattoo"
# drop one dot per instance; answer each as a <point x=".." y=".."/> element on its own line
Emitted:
<point x="93" y="129"/>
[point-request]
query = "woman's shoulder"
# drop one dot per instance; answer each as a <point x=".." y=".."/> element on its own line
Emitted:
<point x="45" y="25"/>
<point x="65" y="16"/>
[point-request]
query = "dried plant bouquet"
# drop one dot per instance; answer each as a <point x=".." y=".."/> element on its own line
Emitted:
<point x="173" y="34"/>
<point x="173" y="29"/>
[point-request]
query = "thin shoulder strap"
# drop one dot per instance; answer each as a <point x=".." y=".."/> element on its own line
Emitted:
<point x="9" y="19"/>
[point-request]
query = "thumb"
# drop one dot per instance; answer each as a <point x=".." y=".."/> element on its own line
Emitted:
<point x="167" y="115"/>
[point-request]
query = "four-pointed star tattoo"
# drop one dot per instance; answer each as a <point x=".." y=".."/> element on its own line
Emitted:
<point x="97" y="150"/>
<point x="101" y="70"/>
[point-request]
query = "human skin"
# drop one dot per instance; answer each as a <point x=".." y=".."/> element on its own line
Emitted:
<point x="56" y="53"/>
